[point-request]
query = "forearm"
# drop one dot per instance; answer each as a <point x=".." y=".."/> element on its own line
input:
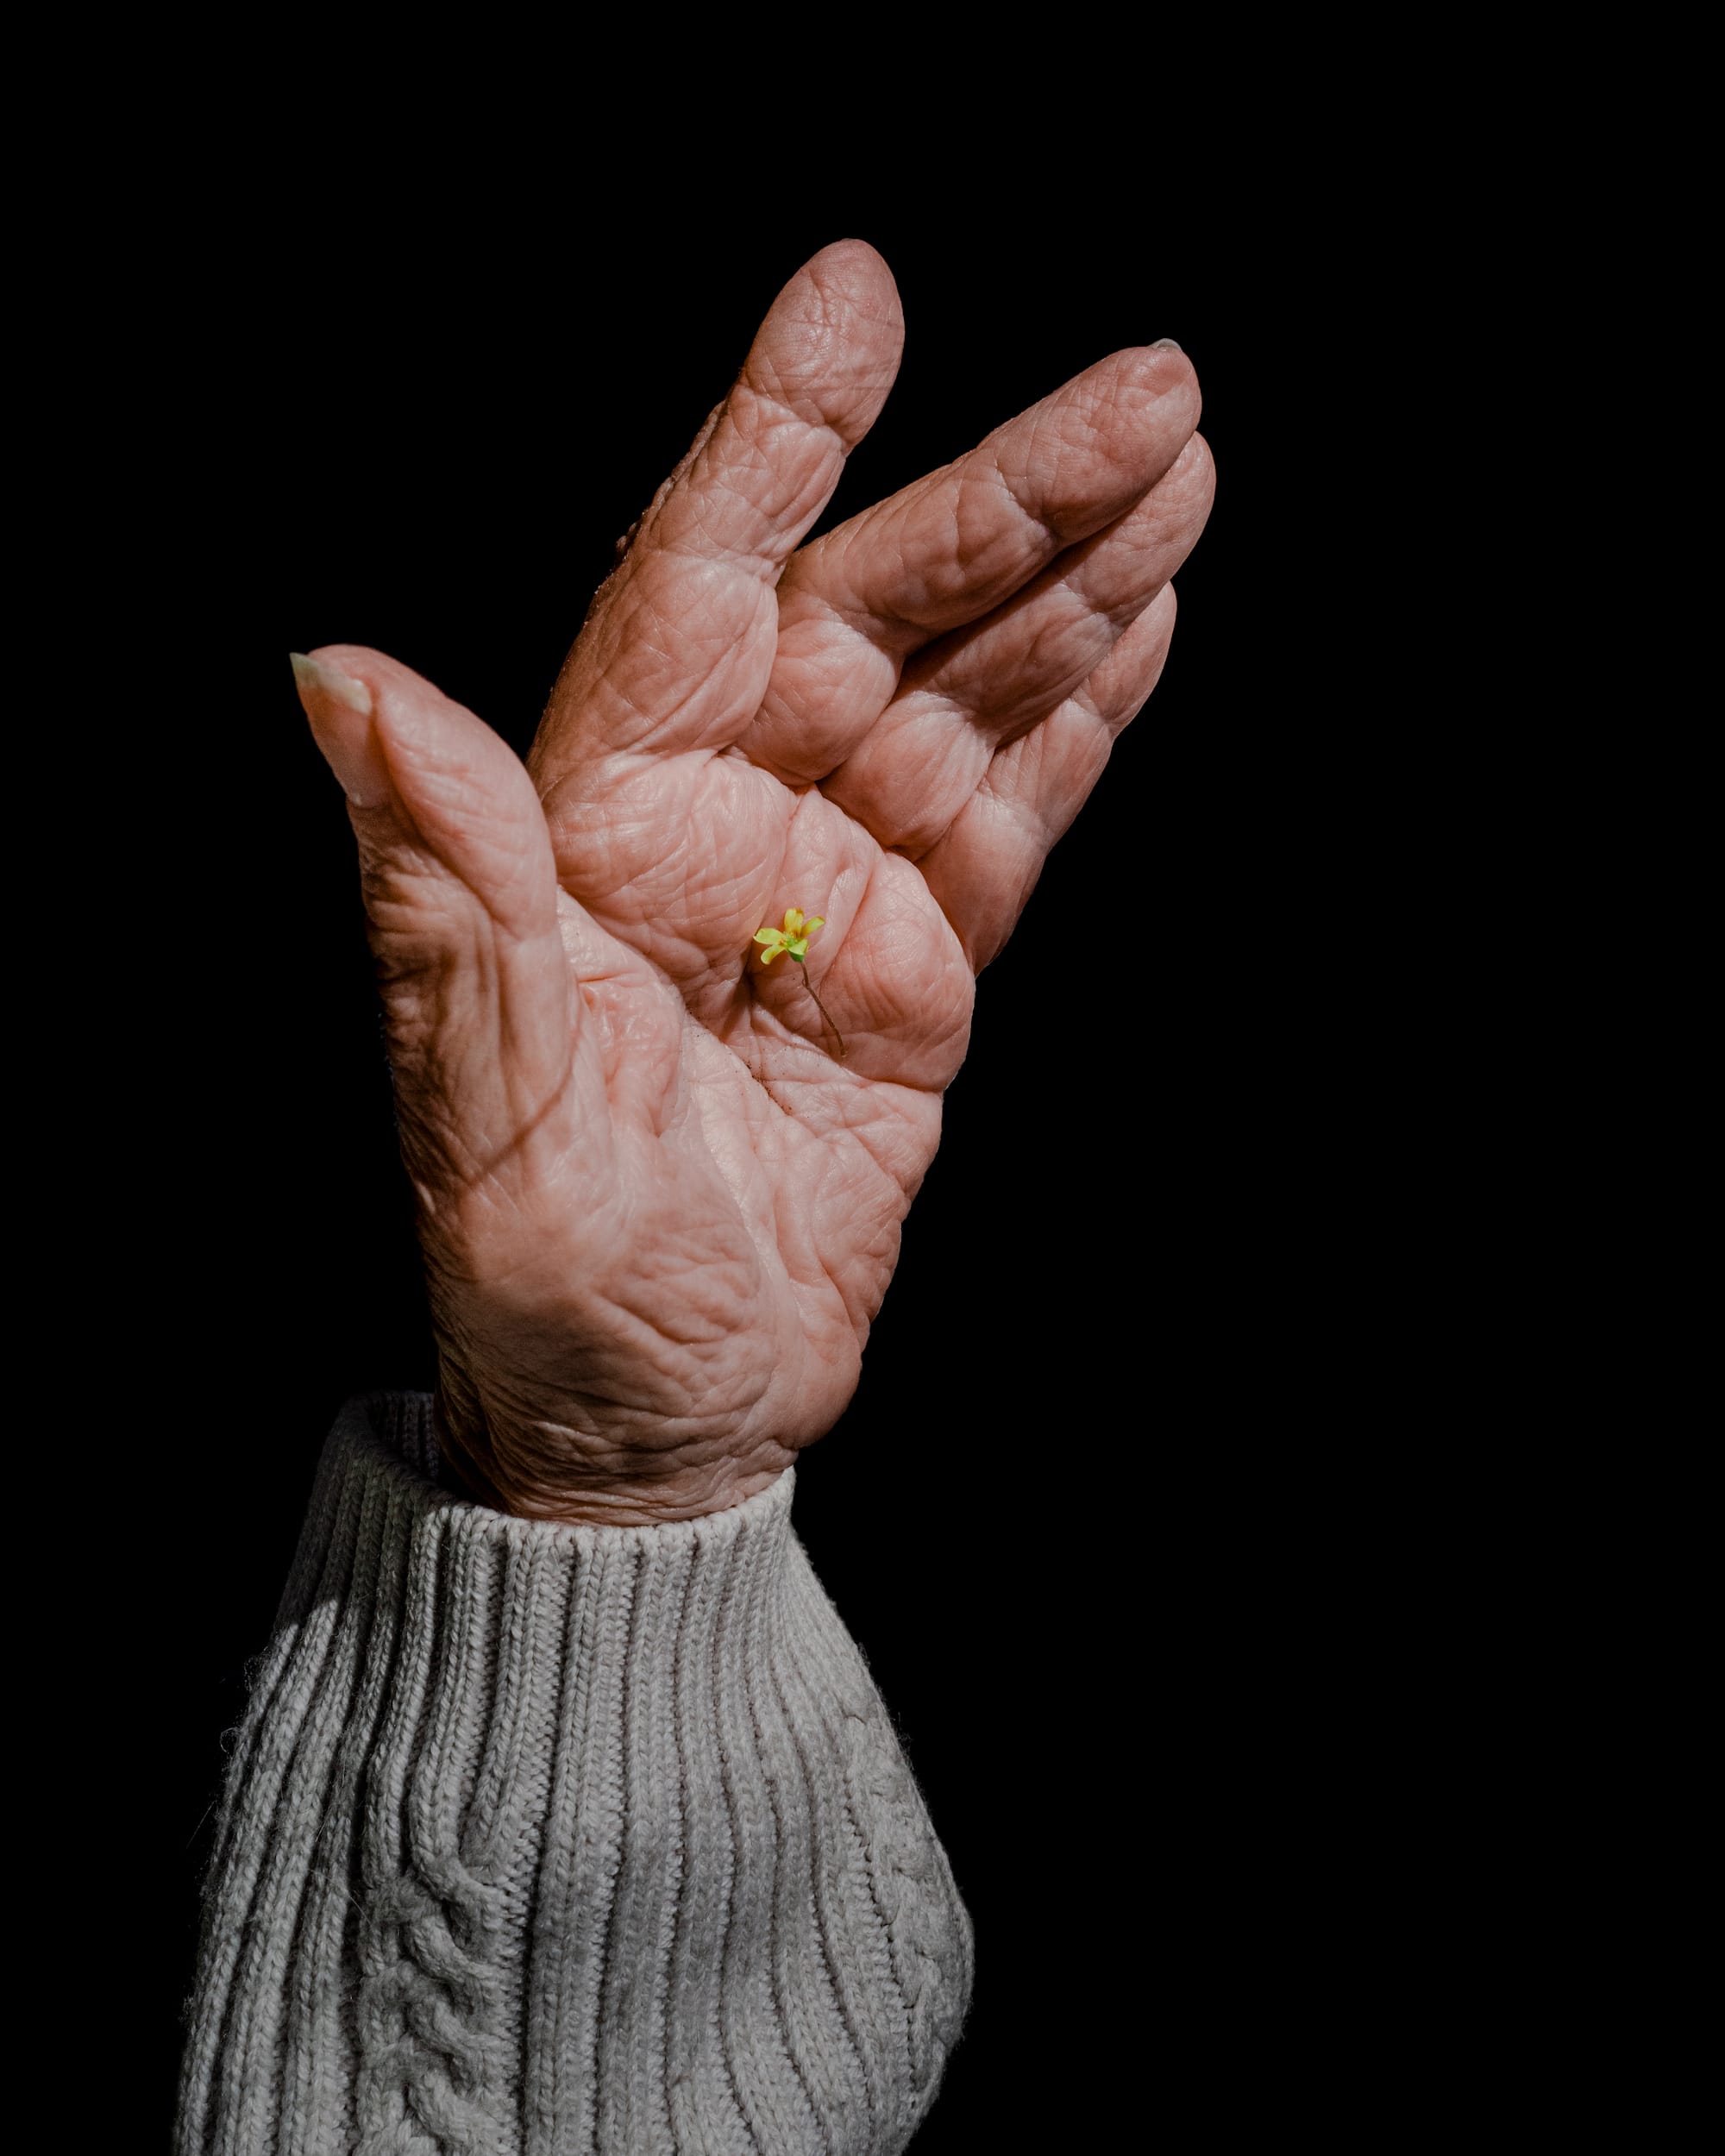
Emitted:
<point x="535" y="1833"/>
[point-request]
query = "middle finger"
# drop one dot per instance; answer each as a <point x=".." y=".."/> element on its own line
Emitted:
<point x="964" y="696"/>
<point x="953" y="546"/>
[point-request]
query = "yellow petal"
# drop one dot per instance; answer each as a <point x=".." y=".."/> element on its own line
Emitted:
<point x="793" y="919"/>
<point x="768" y="956"/>
<point x="809" y="927"/>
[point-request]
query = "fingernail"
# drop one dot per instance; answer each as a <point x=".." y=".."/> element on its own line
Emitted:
<point x="1165" y="344"/>
<point x="339" y="709"/>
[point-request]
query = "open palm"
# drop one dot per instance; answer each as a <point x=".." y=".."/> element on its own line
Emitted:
<point x="659" y="1186"/>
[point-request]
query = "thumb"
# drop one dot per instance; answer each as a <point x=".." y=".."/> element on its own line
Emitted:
<point x="462" y="908"/>
<point x="449" y="786"/>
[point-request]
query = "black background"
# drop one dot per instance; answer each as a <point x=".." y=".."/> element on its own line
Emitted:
<point x="1082" y="1514"/>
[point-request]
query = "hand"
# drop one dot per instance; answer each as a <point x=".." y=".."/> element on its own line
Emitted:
<point x="660" y="1189"/>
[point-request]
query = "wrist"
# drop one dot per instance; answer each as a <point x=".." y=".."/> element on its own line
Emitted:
<point x="551" y="1475"/>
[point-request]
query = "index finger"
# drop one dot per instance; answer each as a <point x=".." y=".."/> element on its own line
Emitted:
<point x="954" y="545"/>
<point x="678" y="642"/>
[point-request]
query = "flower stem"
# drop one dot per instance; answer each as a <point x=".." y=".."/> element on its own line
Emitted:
<point x="819" y="1005"/>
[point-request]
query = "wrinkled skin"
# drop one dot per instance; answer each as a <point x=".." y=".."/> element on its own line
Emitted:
<point x="658" y="1211"/>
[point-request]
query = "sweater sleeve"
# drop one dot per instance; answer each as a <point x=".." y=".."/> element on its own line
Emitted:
<point x="540" y="1837"/>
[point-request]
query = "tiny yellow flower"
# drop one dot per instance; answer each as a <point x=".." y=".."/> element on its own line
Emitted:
<point x="792" y="938"/>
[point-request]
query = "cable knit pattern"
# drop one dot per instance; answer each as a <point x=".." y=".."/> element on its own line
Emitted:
<point x="540" y="1840"/>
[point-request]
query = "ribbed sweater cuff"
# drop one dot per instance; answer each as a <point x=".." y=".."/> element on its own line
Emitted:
<point x="539" y="1838"/>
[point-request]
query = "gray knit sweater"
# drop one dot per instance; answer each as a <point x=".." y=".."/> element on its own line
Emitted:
<point x="542" y="1840"/>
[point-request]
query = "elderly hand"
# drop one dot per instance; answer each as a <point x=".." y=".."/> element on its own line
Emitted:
<point x="659" y="1208"/>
